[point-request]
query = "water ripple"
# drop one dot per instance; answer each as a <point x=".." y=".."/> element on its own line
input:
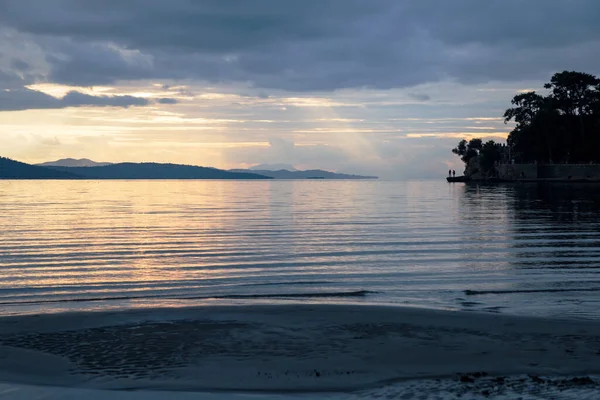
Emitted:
<point x="528" y="249"/>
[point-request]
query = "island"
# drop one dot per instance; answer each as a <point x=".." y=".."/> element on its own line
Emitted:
<point x="556" y="136"/>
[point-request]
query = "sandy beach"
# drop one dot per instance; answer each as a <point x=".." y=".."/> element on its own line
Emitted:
<point x="288" y="348"/>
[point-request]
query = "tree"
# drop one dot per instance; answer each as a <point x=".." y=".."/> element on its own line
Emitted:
<point x="461" y="149"/>
<point x="563" y="126"/>
<point x="574" y="93"/>
<point x="467" y="150"/>
<point x="490" y="154"/>
<point x="527" y="106"/>
<point x="484" y="155"/>
<point x="476" y="144"/>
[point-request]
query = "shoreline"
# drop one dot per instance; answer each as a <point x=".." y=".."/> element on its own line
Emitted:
<point x="286" y="348"/>
<point x="464" y="179"/>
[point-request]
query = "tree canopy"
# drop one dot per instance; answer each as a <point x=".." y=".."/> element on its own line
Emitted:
<point x="487" y="154"/>
<point x="561" y="127"/>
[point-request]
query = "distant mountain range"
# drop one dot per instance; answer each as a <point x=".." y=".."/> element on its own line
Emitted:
<point x="72" y="162"/>
<point x="308" y="174"/>
<point x="10" y="169"/>
<point x="273" y="167"/>
<point x="155" y="171"/>
<point x="87" y="169"/>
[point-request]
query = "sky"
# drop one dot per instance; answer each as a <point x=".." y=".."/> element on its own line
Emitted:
<point x="378" y="87"/>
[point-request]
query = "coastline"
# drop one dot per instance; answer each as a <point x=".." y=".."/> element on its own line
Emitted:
<point x="286" y="348"/>
<point x="462" y="179"/>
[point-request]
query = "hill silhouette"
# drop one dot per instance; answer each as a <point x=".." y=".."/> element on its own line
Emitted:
<point x="273" y="167"/>
<point x="72" y="162"/>
<point x="308" y="174"/>
<point x="154" y="171"/>
<point x="11" y="169"/>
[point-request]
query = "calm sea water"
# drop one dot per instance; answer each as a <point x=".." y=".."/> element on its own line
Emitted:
<point x="524" y="249"/>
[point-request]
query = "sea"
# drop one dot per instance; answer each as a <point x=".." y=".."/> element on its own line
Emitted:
<point x="526" y="249"/>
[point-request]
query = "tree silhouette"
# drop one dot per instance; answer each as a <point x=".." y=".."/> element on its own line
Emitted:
<point x="468" y="150"/>
<point x="487" y="153"/>
<point x="563" y="126"/>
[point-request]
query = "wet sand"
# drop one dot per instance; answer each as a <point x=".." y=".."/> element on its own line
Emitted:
<point x="287" y="348"/>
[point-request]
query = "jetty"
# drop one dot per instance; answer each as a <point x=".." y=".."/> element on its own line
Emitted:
<point x="452" y="179"/>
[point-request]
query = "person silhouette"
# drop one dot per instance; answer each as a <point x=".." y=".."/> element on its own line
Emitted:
<point x="449" y="172"/>
<point x="453" y="173"/>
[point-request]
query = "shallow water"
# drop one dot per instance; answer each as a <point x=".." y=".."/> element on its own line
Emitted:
<point x="427" y="389"/>
<point x="518" y="249"/>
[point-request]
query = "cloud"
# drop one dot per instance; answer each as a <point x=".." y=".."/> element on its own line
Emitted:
<point x="78" y="99"/>
<point x="419" y="96"/>
<point x="374" y="87"/>
<point x="25" y="99"/>
<point x="167" y="100"/>
<point x="20" y="65"/>
<point x="398" y="158"/>
<point x="50" y="141"/>
<point x="98" y="63"/>
<point x="313" y="45"/>
<point x="281" y="146"/>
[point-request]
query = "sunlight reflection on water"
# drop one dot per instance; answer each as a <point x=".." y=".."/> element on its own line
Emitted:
<point x="526" y="249"/>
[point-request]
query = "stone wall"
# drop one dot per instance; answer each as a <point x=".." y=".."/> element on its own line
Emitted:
<point x="569" y="171"/>
<point x="517" y="171"/>
<point x="548" y="171"/>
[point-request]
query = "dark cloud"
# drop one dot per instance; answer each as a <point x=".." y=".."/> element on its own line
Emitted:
<point x="24" y="99"/>
<point x="20" y="65"/>
<point x="310" y="44"/>
<point x="10" y="80"/>
<point x="88" y="64"/>
<point x="420" y="96"/>
<point x="167" y="100"/>
<point x="78" y="99"/>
